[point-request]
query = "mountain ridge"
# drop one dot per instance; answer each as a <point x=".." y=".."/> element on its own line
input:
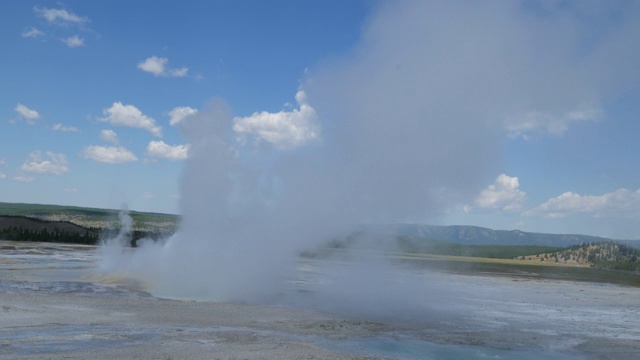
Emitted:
<point x="460" y="234"/>
<point x="477" y="235"/>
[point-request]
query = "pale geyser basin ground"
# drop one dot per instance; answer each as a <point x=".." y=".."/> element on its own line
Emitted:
<point x="54" y="306"/>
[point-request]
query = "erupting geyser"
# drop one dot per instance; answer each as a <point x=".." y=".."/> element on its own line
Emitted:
<point x="404" y="127"/>
<point x="214" y="255"/>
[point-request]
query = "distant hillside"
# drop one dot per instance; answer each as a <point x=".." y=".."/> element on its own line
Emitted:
<point x="20" y="228"/>
<point x="474" y="235"/>
<point x="436" y="247"/>
<point x="607" y="255"/>
<point x="37" y="224"/>
<point x="168" y="223"/>
<point x="91" y="217"/>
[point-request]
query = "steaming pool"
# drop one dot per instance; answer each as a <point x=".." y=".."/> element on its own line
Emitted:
<point x="55" y="304"/>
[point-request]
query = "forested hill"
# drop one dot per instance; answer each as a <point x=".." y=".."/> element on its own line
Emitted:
<point x="91" y="217"/>
<point x="608" y="255"/>
<point x="80" y="225"/>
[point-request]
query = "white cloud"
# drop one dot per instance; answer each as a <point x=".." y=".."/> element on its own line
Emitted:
<point x="23" y="178"/>
<point x="158" y="149"/>
<point x="158" y="67"/>
<point x="129" y="115"/>
<point x="538" y="122"/>
<point x="27" y="114"/>
<point x="148" y="195"/>
<point x="180" y="113"/>
<point x="63" y="128"/>
<point x="504" y="194"/>
<point x="2" y="163"/>
<point x="109" y="136"/>
<point x="46" y="163"/>
<point x="108" y="154"/>
<point x="70" y="190"/>
<point x="64" y="19"/>
<point x="182" y="72"/>
<point x="620" y="203"/>
<point x="284" y="129"/>
<point x="154" y="65"/>
<point x="74" y="41"/>
<point x="32" y="33"/>
<point x="60" y="16"/>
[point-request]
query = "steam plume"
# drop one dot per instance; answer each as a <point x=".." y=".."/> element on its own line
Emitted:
<point x="413" y="121"/>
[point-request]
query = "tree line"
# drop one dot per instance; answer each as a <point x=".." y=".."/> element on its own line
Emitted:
<point x="18" y="233"/>
<point x="89" y="237"/>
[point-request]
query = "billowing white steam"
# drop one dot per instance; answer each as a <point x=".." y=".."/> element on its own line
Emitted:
<point x="413" y="120"/>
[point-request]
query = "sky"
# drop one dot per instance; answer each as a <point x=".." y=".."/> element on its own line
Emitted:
<point x="509" y="115"/>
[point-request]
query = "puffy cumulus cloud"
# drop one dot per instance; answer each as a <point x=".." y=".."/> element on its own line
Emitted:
<point x="504" y="194"/>
<point x="60" y="16"/>
<point x="108" y="154"/>
<point x="63" y="128"/>
<point x="283" y="130"/>
<point x="46" y="163"/>
<point x="621" y="203"/>
<point x="74" y="41"/>
<point x="109" y="136"/>
<point x="26" y="114"/>
<point x="538" y="122"/>
<point x="160" y="150"/>
<point x="178" y="114"/>
<point x="154" y="65"/>
<point x="32" y="33"/>
<point x="158" y="67"/>
<point x="129" y="115"/>
<point x="2" y="176"/>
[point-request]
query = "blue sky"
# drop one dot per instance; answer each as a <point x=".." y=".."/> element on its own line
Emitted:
<point x="529" y="110"/>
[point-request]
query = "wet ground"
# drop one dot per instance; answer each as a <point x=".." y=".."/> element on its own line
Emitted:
<point x="53" y="304"/>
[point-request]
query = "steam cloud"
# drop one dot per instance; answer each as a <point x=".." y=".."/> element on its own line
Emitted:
<point x="413" y="120"/>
